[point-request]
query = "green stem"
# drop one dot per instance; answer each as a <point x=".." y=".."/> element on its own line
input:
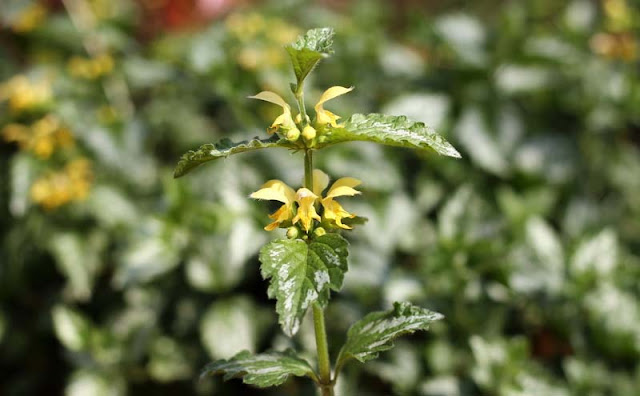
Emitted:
<point x="324" y="366"/>
<point x="308" y="169"/>
<point x="299" y="94"/>
<point x="322" y="346"/>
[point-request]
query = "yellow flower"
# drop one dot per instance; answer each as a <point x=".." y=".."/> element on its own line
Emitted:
<point x="276" y="190"/>
<point x="55" y="189"/>
<point x="323" y="116"/>
<point x="24" y="94"/>
<point x="306" y="210"/>
<point x="285" y="120"/>
<point x="29" y="18"/>
<point x="344" y="186"/>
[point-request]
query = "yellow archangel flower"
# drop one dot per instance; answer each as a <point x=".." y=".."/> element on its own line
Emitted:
<point x="276" y="190"/>
<point x="284" y="120"/>
<point x="344" y="186"/>
<point x="323" y="116"/>
<point x="306" y="209"/>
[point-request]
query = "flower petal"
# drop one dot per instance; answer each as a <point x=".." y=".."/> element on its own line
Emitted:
<point x="272" y="97"/>
<point x="334" y="211"/>
<point x="320" y="181"/>
<point x="323" y="116"/>
<point x="306" y="210"/>
<point x="344" y="187"/>
<point x="275" y="190"/>
<point x="332" y="93"/>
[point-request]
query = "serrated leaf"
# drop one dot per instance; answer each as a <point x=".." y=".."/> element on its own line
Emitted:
<point x="390" y="130"/>
<point x="262" y="370"/>
<point x="375" y="332"/>
<point x="222" y="149"/>
<point x="308" y="50"/>
<point x="303" y="273"/>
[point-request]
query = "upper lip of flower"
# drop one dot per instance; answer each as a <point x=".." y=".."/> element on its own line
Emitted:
<point x="277" y="190"/>
<point x="284" y="120"/>
<point x="325" y="116"/>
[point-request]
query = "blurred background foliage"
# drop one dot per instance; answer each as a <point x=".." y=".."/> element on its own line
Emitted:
<point x="117" y="280"/>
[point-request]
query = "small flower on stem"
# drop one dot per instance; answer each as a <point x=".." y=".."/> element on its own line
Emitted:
<point x="276" y="190"/>
<point x="344" y="186"/>
<point x="323" y="116"/>
<point x="306" y="210"/>
<point x="285" y="120"/>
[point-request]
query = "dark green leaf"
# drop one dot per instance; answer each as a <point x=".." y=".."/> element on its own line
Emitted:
<point x="308" y="50"/>
<point x="390" y="130"/>
<point x="224" y="148"/>
<point x="262" y="370"/>
<point x="302" y="273"/>
<point x="375" y="332"/>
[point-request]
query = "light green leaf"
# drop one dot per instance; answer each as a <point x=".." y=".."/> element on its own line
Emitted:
<point x="262" y="370"/>
<point x="72" y="328"/>
<point x="302" y="273"/>
<point x="375" y="332"/>
<point x="309" y="49"/>
<point x="223" y="149"/>
<point x="390" y="130"/>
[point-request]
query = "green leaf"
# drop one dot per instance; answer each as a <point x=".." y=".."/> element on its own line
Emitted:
<point x="375" y="332"/>
<point x="223" y="149"/>
<point x="390" y="130"/>
<point x="262" y="370"/>
<point x="309" y="49"/>
<point x="303" y="273"/>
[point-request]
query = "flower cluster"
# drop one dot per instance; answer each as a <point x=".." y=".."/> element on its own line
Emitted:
<point x="42" y="137"/>
<point x="23" y="94"/>
<point x="260" y="39"/>
<point x="55" y="189"/>
<point x="302" y="206"/>
<point x="90" y="68"/>
<point x="290" y="127"/>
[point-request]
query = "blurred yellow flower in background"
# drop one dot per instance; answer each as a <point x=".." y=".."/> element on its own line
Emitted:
<point x="90" y="68"/>
<point x="24" y="94"/>
<point x="263" y="38"/>
<point x="29" y="18"/>
<point x="55" y="189"/>
<point x="42" y="138"/>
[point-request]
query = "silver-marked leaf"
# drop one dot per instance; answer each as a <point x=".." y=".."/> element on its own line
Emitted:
<point x="262" y="370"/>
<point x="396" y="131"/>
<point x="375" y="332"/>
<point x="222" y="149"/>
<point x="303" y="273"/>
<point x="308" y="50"/>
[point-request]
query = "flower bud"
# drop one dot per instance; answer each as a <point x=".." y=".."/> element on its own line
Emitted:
<point x="293" y="134"/>
<point x="298" y="118"/>
<point x="319" y="231"/>
<point x="309" y="132"/>
<point x="293" y="232"/>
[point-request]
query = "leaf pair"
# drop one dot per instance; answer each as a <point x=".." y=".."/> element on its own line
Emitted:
<point x="365" y="340"/>
<point x="384" y="129"/>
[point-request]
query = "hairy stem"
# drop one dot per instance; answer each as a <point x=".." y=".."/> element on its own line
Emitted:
<point x="322" y="347"/>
